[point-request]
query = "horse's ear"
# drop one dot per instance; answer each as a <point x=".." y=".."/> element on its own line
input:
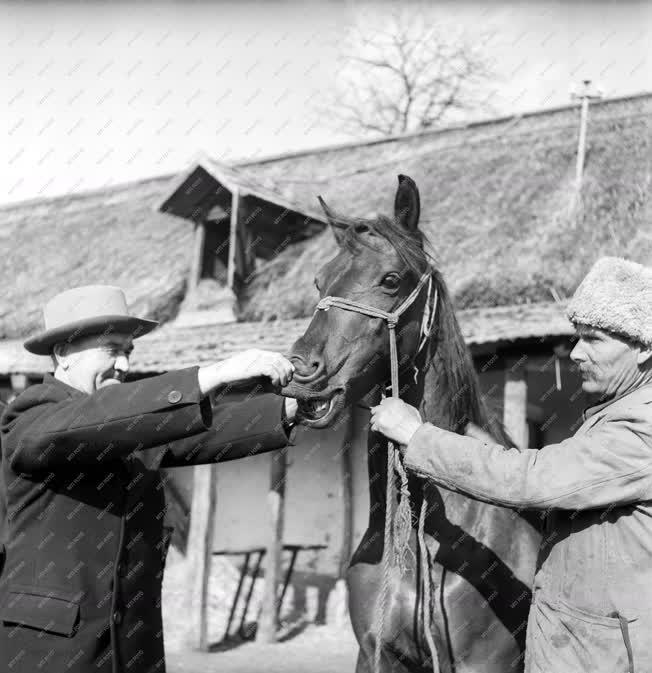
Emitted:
<point x="407" y="204"/>
<point x="337" y="226"/>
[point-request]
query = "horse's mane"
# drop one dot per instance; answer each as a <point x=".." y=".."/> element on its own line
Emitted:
<point x="408" y="244"/>
<point x="451" y="358"/>
<point x="448" y="352"/>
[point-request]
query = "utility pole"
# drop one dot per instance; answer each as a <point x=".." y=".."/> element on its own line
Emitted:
<point x="585" y="94"/>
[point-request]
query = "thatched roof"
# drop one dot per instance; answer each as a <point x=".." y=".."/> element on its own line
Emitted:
<point x="498" y="203"/>
<point x="113" y="236"/>
<point x="117" y="236"/>
<point x="174" y="347"/>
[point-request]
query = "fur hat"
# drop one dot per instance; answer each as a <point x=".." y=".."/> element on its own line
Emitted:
<point x="616" y="295"/>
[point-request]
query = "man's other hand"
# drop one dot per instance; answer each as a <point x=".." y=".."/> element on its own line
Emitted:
<point x="245" y="366"/>
<point x="396" y="420"/>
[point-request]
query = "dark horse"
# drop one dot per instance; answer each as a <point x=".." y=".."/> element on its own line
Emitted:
<point x="480" y="558"/>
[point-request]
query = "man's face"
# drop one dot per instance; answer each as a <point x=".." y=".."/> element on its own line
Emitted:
<point x="608" y="363"/>
<point x="95" y="362"/>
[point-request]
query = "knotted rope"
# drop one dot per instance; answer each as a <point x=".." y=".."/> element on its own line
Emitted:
<point x="397" y="525"/>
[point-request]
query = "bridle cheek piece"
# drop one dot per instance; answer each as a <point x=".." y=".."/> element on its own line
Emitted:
<point x="391" y="318"/>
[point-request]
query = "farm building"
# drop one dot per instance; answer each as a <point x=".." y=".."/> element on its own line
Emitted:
<point x="224" y="257"/>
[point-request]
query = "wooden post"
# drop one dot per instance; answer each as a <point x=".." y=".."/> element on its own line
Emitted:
<point x="233" y="237"/>
<point x="200" y="549"/>
<point x="19" y="383"/>
<point x="197" y="255"/>
<point x="276" y="507"/>
<point x="515" y="402"/>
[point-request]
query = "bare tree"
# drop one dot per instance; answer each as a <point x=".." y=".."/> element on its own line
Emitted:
<point x="409" y="75"/>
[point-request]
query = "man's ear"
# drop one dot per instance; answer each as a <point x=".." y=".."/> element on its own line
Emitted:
<point x="60" y="355"/>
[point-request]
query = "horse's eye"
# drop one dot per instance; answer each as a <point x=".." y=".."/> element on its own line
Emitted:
<point x="391" y="281"/>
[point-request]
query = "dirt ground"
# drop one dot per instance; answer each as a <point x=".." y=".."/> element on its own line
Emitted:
<point x="304" y="647"/>
<point x="318" y="649"/>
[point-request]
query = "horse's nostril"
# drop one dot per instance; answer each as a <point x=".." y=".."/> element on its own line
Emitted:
<point x="306" y="369"/>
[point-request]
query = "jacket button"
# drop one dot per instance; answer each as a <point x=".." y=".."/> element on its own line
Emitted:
<point x="174" y="396"/>
<point x="117" y="617"/>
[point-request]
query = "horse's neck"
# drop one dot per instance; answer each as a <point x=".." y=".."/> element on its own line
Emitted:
<point x="445" y="391"/>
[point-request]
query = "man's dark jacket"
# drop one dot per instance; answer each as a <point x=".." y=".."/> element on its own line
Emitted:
<point x="85" y="546"/>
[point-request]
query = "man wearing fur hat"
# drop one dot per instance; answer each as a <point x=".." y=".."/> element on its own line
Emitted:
<point x="592" y="600"/>
<point x="85" y="545"/>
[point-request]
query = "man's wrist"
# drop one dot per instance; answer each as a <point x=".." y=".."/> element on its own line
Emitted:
<point x="410" y="434"/>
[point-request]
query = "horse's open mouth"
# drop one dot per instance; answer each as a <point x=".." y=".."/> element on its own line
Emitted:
<point x="320" y="412"/>
<point x="315" y="410"/>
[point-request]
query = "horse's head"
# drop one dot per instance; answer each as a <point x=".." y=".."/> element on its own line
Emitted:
<point x="344" y="354"/>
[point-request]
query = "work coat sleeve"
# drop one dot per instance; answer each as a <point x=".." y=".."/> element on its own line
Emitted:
<point x="610" y="464"/>
<point x="239" y="429"/>
<point x="106" y="425"/>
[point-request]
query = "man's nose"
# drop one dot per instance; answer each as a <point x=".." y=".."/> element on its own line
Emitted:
<point x="122" y="363"/>
<point x="577" y="354"/>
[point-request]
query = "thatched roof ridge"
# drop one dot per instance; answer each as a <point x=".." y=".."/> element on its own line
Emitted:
<point x="420" y="135"/>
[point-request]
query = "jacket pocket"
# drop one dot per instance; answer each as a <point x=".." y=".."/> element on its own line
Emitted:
<point x="38" y="608"/>
<point x="570" y="639"/>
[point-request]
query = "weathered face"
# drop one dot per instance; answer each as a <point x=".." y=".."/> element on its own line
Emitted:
<point x="609" y="365"/>
<point x="95" y="362"/>
<point x="343" y="355"/>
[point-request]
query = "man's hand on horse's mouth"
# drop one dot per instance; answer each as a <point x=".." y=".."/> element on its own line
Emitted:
<point x="396" y="420"/>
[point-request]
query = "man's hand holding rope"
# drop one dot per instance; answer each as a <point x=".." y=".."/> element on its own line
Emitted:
<point x="396" y="420"/>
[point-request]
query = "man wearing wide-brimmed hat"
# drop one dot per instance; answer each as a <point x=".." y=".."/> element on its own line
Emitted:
<point x="85" y="544"/>
<point x="592" y="598"/>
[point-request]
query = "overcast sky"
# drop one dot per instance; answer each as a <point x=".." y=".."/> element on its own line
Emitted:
<point x="98" y="94"/>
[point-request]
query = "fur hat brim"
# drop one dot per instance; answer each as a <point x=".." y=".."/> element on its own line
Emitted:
<point x="42" y="343"/>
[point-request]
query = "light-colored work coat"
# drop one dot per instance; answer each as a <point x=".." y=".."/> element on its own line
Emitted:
<point x="592" y="600"/>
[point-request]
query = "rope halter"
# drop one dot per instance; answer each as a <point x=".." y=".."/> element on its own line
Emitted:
<point x="391" y="318"/>
<point x="398" y="524"/>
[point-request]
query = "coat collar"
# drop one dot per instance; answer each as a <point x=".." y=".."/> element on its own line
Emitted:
<point x="60" y="386"/>
<point x="640" y="395"/>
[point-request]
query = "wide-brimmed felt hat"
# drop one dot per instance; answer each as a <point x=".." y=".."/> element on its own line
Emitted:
<point x="616" y="295"/>
<point x="84" y="311"/>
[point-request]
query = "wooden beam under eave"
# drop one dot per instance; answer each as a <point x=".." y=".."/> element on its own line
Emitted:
<point x="233" y="237"/>
<point x="197" y="256"/>
<point x="515" y="402"/>
<point x="200" y="551"/>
